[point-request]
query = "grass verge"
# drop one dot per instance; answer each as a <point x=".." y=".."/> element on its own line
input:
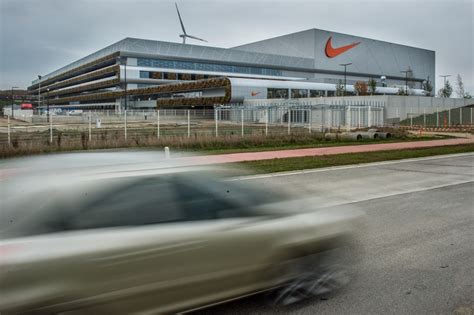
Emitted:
<point x="301" y="163"/>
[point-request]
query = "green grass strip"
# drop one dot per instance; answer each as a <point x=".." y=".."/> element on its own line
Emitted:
<point x="301" y="163"/>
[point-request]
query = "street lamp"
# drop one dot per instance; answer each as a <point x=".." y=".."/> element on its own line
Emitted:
<point x="13" y="101"/>
<point x="406" y="79"/>
<point x="39" y="91"/>
<point x="345" y="74"/>
<point x="47" y="104"/>
<point x="119" y="60"/>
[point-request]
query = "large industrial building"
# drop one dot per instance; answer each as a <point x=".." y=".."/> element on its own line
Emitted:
<point x="138" y="73"/>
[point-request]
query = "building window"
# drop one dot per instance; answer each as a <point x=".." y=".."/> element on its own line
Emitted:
<point x="299" y="93"/>
<point x="202" y="66"/>
<point x="144" y="74"/>
<point x="316" y="93"/>
<point x="277" y="93"/>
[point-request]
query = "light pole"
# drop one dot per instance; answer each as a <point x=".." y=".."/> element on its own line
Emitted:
<point x="47" y="104"/>
<point x="406" y="80"/>
<point x="39" y="91"/>
<point x="444" y="86"/>
<point x="13" y="101"/>
<point x="119" y="60"/>
<point x="345" y="74"/>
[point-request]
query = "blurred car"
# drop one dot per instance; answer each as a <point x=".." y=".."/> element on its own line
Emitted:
<point x="127" y="239"/>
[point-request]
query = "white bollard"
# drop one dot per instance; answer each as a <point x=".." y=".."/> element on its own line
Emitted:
<point x="167" y="152"/>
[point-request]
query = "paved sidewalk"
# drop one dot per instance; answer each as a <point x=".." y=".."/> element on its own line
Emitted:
<point x="281" y="154"/>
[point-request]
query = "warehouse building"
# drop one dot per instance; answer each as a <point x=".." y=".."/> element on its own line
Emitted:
<point x="138" y="73"/>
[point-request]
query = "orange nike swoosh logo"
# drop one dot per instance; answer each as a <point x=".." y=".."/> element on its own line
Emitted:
<point x="254" y="93"/>
<point x="332" y="52"/>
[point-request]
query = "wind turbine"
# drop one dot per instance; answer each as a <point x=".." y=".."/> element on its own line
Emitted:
<point x="184" y="35"/>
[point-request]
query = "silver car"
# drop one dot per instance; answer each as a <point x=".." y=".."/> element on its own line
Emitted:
<point x="155" y="238"/>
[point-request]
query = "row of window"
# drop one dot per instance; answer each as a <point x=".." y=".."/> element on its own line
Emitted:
<point x="201" y="66"/>
<point x="297" y="93"/>
<point x="174" y="76"/>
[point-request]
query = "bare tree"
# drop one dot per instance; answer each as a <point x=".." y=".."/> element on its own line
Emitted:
<point x="460" y="87"/>
<point x="361" y="88"/>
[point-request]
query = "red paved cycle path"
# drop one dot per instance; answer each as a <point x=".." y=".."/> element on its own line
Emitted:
<point x="280" y="154"/>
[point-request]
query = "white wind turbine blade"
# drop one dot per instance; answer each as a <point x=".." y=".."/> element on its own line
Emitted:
<point x="194" y="37"/>
<point x="180" y="20"/>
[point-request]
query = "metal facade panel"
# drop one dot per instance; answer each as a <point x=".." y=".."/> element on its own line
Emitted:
<point x="369" y="57"/>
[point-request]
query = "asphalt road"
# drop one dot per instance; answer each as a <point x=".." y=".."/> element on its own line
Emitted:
<point x="417" y="249"/>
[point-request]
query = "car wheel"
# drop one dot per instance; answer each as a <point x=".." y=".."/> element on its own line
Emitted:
<point x="310" y="276"/>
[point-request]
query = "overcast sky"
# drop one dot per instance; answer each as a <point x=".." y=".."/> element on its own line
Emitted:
<point x="39" y="36"/>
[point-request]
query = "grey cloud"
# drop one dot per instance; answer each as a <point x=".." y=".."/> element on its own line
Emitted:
<point x="41" y="36"/>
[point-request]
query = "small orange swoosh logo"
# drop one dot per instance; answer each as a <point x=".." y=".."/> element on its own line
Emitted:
<point x="254" y="93"/>
<point x="332" y="52"/>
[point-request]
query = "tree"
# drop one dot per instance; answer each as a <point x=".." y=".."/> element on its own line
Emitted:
<point x="427" y="87"/>
<point x="372" y="86"/>
<point x="467" y="95"/>
<point x="401" y="91"/>
<point x="460" y="87"/>
<point x="340" y="88"/>
<point x="446" y="91"/>
<point x="361" y="88"/>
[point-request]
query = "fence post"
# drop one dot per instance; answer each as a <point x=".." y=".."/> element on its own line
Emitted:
<point x="449" y="117"/>
<point x="189" y="124"/>
<point x="460" y="116"/>
<point x="158" y="124"/>
<point x="358" y="117"/>
<point x="369" y="117"/>
<point x="90" y="126"/>
<point x="8" y="130"/>
<point x="242" y="120"/>
<point x="125" y="124"/>
<point x="348" y="118"/>
<point x="424" y="118"/>
<point x="266" y="121"/>
<point x="50" y="127"/>
<point x="437" y="117"/>
<point x="310" y="120"/>
<point x="289" y="120"/>
<point x="471" y="116"/>
<point x="216" y="112"/>
<point x="411" y="120"/>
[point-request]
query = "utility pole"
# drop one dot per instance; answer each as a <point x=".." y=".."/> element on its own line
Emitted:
<point x="13" y="100"/>
<point x="406" y="79"/>
<point x="119" y="61"/>
<point x="345" y="74"/>
<point x="47" y="104"/>
<point x="39" y="91"/>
